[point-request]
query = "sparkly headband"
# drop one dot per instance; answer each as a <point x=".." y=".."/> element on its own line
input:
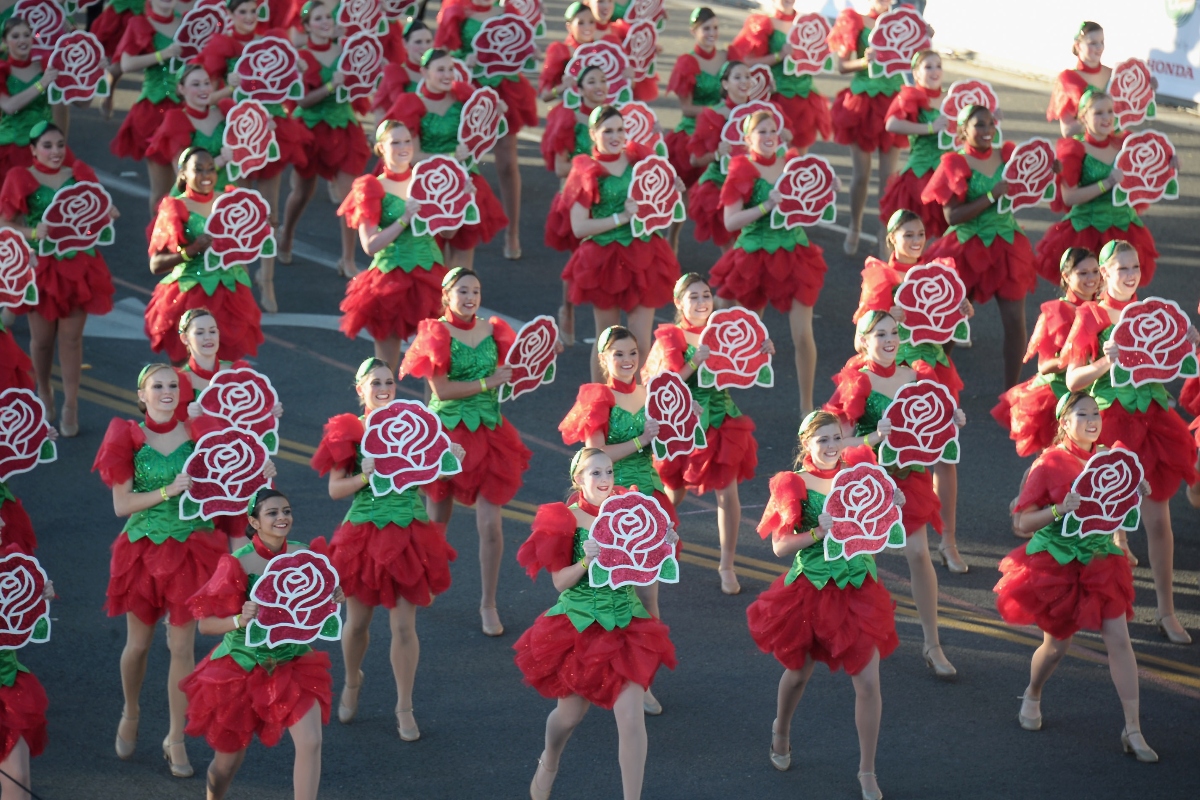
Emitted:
<point x="1086" y="98"/>
<point x="694" y="17"/>
<point x="37" y="130"/>
<point x="191" y="314"/>
<point x="686" y="280"/>
<point x="428" y="56"/>
<point x="605" y="338"/>
<point x="1061" y="408"/>
<point x="573" y="11"/>
<point x="894" y="221"/>
<point x="594" y="117"/>
<point x="966" y="112"/>
<point x="149" y="370"/>
<point x="1066" y="256"/>
<point x="589" y="68"/>
<point x="407" y="26"/>
<point x="452" y="277"/>
<point x="307" y="9"/>
<point x="868" y="321"/>
<point x="252" y="505"/>
<point x="365" y="368"/>
<point x="575" y="459"/>
<point x="1109" y="250"/>
<point x="723" y="72"/>
<point x="386" y="126"/>
<point x="808" y="418"/>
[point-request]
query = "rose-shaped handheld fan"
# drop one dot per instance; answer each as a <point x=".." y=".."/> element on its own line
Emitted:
<point x="731" y="132"/>
<point x="640" y="126"/>
<point x="1132" y="90"/>
<point x="932" y="296"/>
<point x="78" y="218"/>
<point x="249" y="137"/>
<point x="295" y="601"/>
<point x="17" y="285"/>
<point x="669" y="402"/>
<point x="79" y="58"/>
<point x="762" y="83"/>
<point x="1152" y="344"/>
<point x="898" y="34"/>
<point x="442" y="188"/>
<point x="631" y="530"/>
<point x="226" y="470"/>
<point x="654" y="188"/>
<point x="361" y="62"/>
<point x="532" y="356"/>
<point x="24" y="609"/>
<point x="269" y="72"/>
<point x="528" y="10"/>
<point x="810" y="51"/>
<point x="960" y="95"/>
<point x="736" y="360"/>
<point x="866" y="519"/>
<point x="361" y="16"/>
<point x="641" y="46"/>
<point x="48" y="21"/>
<point x="24" y="433"/>
<point x="198" y="26"/>
<point x="1030" y="175"/>
<point x="397" y="10"/>
<point x="504" y="45"/>
<point x="809" y="188"/>
<point x="409" y="445"/>
<point x="652" y="10"/>
<point x="1145" y="159"/>
<point x="240" y="227"/>
<point x="923" y="428"/>
<point x="1109" y="497"/>
<point x="612" y="61"/>
<point x="245" y="399"/>
<point x="481" y="124"/>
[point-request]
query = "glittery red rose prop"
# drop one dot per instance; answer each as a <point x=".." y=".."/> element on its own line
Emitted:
<point x="897" y="36"/>
<point x="669" y="402"/>
<point x="1132" y="90"/>
<point x="651" y="10"/>
<point x="197" y="28"/>
<point x="249" y="136"/>
<point x="1145" y="159"/>
<point x="78" y="218"/>
<point x="1109" y="497"/>
<point x="866" y="519"/>
<point x="481" y="124"/>
<point x="48" y="21"/>
<point x="295" y="601"/>
<point x="361" y="62"/>
<point x="361" y="16"/>
<point x="931" y="296"/>
<point x="24" y="609"/>
<point x="731" y="132"/>
<point x="762" y="82"/>
<point x="240" y="227"/>
<point x="397" y="10"/>
<point x="17" y="285"/>
<point x="809" y="188"/>
<point x="736" y="360"/>
<point x="245" y="399"/>
<point x="530" y="11"/>
<point x="640" y="123"/>
<point x="960" y="95"/>
<point x="442" y="187"/>
<point x="654" y="188"/>
<point x="641" y="46"/>
<point x="79" y="58"/>
<point x="1030" y="175"/>
<point x="1152" y="344"/>
<point x="504" y="46"/>
<point x="532" y="357"/>
<point x="923" y="429"/>
<point x="24" y="433"/>
<point x="611" y="60"/>
<point x="810" y="51"/>
<point x="269" y="70"/>
<point x="226" y="470"/>
<point x="409" y="446"/>
<point x="631" y="530"/>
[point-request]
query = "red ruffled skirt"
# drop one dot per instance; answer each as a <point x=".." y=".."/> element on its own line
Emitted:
<point x="18" y="528"/>
<point x="521" y="99"/>
<point x="806" y="117"/>
<point x="492" y="219"/>
<point x="15" y="366"/>
<point x="731" y="455"/>
<point x="841" y="628"/>
<point x="780" y="278"/>
<point x="677" y="153"/>
<point x="379" y="565"/>
<point x="495" y="460"/>
<point x="1062" y="235"/>
<point x="559" y="235"/>
<point x="1027" y="413"/>
<point x="1162" y="442"/>
<point x="228" y="705"/>
<point x="595" y="664"/>
<point x="1063" y="599"/>
<point x="23" y="715"/>
<point x="642" y="273"/>
<point x="704" y="208"/>
<point x="334" y="150"/>
<point x="139" y="125"/>
<point x="1004" y="270"/>
<point x="236" y="312"/>
<point x="79" y="283"/>
<point x="295" y="142"/>
<point x="391" y="304"/>
<point x="150" y="580"/>
<point x="109" y="27"/>
<point x="904" y="191"/>
<point x="921" y="503"/>
<point x="858" y="119"/>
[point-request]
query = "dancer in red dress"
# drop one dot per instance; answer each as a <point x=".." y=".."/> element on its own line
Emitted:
<point x="111" y="23"/>
<point x="23" y="102"/>
<point x="581" y="29"/>
<point x="916" y="113"/>
<point x="403" y="76"/>
<point x="23" y="706"/>
<point x="611" y="26"/>
<point x="566" y="136"/>
<point x="594" y="646"/>
<point x="1070" y="84"/>
<point x="1141" y="417"/>
<point x="803" y="618"/>
<point x="70" y="286"/>
<point x="706" y="149"/>
<point x="387" y="551"/>
<point x="694" y="81"/>
<point x="198" y="122"/>
<point x="240" y="689"/>
<point x="1064" y="584"/>
<point x="460" y="357"/>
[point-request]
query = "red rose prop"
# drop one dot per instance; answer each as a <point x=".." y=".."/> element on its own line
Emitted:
<point x="198" y="26"/>
<point x="532" y="357"/>
<point x="762" y="82"/>
<point x="732" y="130"/>
<point x="897" y="36"/>
<point x="960" y="95"/>
<point x="226" y="470"/>
<point x="641" y="126"/>
<point x="361" y="62"/>
<point x="361" y="16"/>
<point x="295" y="601"/>
<point x="810" y="51"/>
<point x="397" y="10"/>
<point x="79" y="58"/>
<point x="1108" y="488"/>
<point x="809" y="188"/>
<point x="481" y="124"/>
<point x="246" y="400"/>
<point x="651" y="10"/>
<point x="504" y="46"/>
<point x="931" y="296"/>
<point x="17" y="285"/>
<point x="78" y="218"/>
<point x="269" y="70"/>
<point x="48" y="21"/>
<point x="736" y="360"/>
<point x="240" y="227"/>
<point x="654" y="187"/>
<point x="669" y="402"/>
<point x="409" y="446"/>
<point x="1145" y="159"/>
<point x="1132" y="90"/>
<point x="443" y="188"/>
<point x="923" y="429"/>
<point x="641" y="46"/>
<point x="528" y="10"/>
<point x="1030" y="175"/>
<point x="249" y="136"/>
<point x="631" y="530"/>
<point x="866" y="519"/>
<point x="24" y="433"/>
<point x="1152" y="345"/>
<point x="24" y="609"/>
<point x="611" y="59"/>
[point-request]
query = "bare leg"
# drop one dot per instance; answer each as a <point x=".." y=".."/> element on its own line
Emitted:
<point x="356" y="638"/>
<point x="859" y="185"/>
<point x="729" y="519"/>
<point x="945" y="483"/>
<point x="1160" y="541"/>
<point x="800" y="320"/>
<point x="566" y="316"/>
<point x="42" y="333"/>
<point x="439" y="511"/>
<point x="791" y="688"/>
<point x="509" y="172"/>
<point x="460" y="258"/>
<point x="1122" y="665"/>
<point x="302" y="192"/>
<point x="1045" y="660"/>
<point x="560" y="724"/>
<point x="161" y="177"/>
<point x="265" y="278"/>
<point x="1012" y="316"/>
<point x="181" y="641"/>
<point x="341" y="186"/>
<point x="138" y="637"/>
<point x="924" y="593"/>
<point x="491" y="552"/>
<point x="868" y="709"/>
<point x="70" y="358"/>
<point x="221" y="771"/>
<point x="405" y="653"/>
<point x="604" y="317"/>
<point x="306" y="736"/>
<point x="888" y="164"/>
<point x="15" y="772"/>
<point x="389" y="350"/>
<point x="631" y="730"/>
<point x="641" y="324"/>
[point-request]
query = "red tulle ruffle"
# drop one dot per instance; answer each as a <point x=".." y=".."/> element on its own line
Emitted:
<point x="1069" y="87"/>
<point x="150" y="580"/>
<point x="496" y="459"/>
<point x="921" y="503"/>
<point x="1004" y="270"/>
<point x="391" y="304"/>
<point x="377" y="566"/>
<point x="558" y="55"/>
<point x="1027" y="413"/>
<point x="140" y="123"/>
<point x="492" y="218"/>
<point x="521" y="99"/>
<point x="904" y="191"/>
<point x="1162" y="442"/>
<point x="236" y="312"/>
<point x="1063" y="599"/>
<point x="642" y="273"/>
<point x="760" y="278"/>
<point x="858" y="119"/>
<point x="559" y="136"/>
<point x="109" y="26"/>
<point x="18" y="528"/>
<point x="295" y="141"/>
<point x="731" y="455"/>
<point x="806" y="118"/>
<point x="23" y="715"/>
<point x="392" y="85"/>
<point x="704" y="208"/>
<point x="334" y="150"/>
<point x="678" y="143"/>
<point x="1062" y="235"/>
<point x="15" y="366"/>
<point x="81" y="282"/>
<point x="559" y="234"/>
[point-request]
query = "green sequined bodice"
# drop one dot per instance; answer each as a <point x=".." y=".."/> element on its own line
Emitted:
<point x="614" y="191"/>
<point x="1134" y="398"/>
<point x="810" y="562"/>
<point x="191" y="273"/>
<point x="991" y="223"/>
<point x="609" y="608"/>
<point x="158" y="82"/>
<point x="877" y="403"/>
<point x="1066" y="549"/>
<point x="407" y="251"/>
<point x="1099" y="212"/>
<point x="469" y="364"/>
<point x="327" y="110"/>
<point x="787" y="85"/>
<point x="863" y="83"/>
<point x="759" y="235"/>
<point x="707" y="91"/>
<point x="151" y="471"/>
<point x="439" y="132"/>
<point x="39" y="201"/>
<point x="394" y="509"/>
<point x="635" y="469"/>
<point x="14" y="128"/>
<point x="924" y="153"/>
<point x="717" y="403"/>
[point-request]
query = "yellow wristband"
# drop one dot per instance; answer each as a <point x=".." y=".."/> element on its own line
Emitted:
<point x="41" y="89"/>
<point x="1054" y="512"/>
<point x="162" y="490"/>
<point x="813" y="533"/>
<point x="364" y="477"/>
<point x="762" y="208"/>
<point x="329" y="86"/>
<point x="990" y="198"/>
<point x="931" y="127"/>
<point x="158" y="56"/>
<point x="483" y="385"/>
<point x="637" y="443"/>
<point x="691" y="363"/>
<point x="237" y="621"/>
<point x="867" y="440"/>
<point x="583" y="562"/>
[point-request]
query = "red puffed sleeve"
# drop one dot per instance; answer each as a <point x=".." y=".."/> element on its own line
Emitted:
<point x="395" y="82"/>
<point x="19" y="183"/>
<point x="429" y="354"/>
<point x="1049" y="479"/>
<point x="583" y="184"/>
<point x="707" y="137"/>
<point x="461" y="91"/>
<point x="339" y="444"/>
<point x="785" y="509"/>
<point x="843" y="38"/>
<point x="739" y="183"/>
<point x="558" y="54"/>
<point x="312" y="71"/>
<point x="754" y="39"/>
<point x="1083" y="341"/>
<point x="1006" y="151"/>
<point x="364" y="204"/>
<point x="849" y="401"/>
<point x="551" y="545"/>
<point x="114" y="459"/>
<point x="1189" y="400"/>
<point x="859" y="454"/>
<point x="225" y="592"/>
<point x="1050" y="332"/>
<point x="879" y="282"/>
<point x="908" y="104"/>
<point x="560" y="134"/>
<point x="666" y="355"/>
<point x="1069" y="87"/>
<point x="926" y="372"/>
<point x="1070" y="152"/>
<point x="449" y="26"/>
<point x="138" y="39"/>
<point x="590" y="414"/>
<point x="503" y="335"/>
<point x="174" y="134"/>
<point x="949" y="180"/>
<point x="216" y="54"/>
<point x="408" y="109"/>
<point x="683" y="76"/>
<point x="168" y="226"/>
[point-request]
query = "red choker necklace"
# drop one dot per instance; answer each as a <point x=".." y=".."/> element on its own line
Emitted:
<point x="201" y="372"/>
<point x="782" y="17"/>
<point x="1075" y="450"/>
<point x="812" y="469"/>
<point x="457" y="322"/>
<point x="261" y="548"/>
<point x="1082" y="67"/>
<point x="42" y="168"/>
<point x="399" y="177"/>
<point x="161" y="20"/>
<point x="244" y="38"/>
<point x="586" y="507"/>
<point x="932" y="94"/>
<point x="895" y="263"/>
<point x="432" y="95"/>
<point x="17" y="63"/>
<point x="160" y="427"/>
<point x="481" y="8"/>
<point x="585" y="109"/>
<point x="1107" y="141"/>
<point x="879" y="369"/>
<point x="193" y="113"/>
<point x="705" y="54"/>
<point x="688" y="327"/>
<point x="1115" y="304"/>
<point x="197" y="197"/>
<point x="412" y="66"/>
<point x="982" y="155"/>
<point x="766" y="161"/>
<point x="621" y="386"/>
<point x="605" y="158"/>
<point x="319" y="48"/>
<point x="1072" y="298"/>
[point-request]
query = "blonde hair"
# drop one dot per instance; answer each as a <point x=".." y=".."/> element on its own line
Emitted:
<point x="579" y="460"/>
<point x="811" y="424"/>
<point x="751" y="122"/>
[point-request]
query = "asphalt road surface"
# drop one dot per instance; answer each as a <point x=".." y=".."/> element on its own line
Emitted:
<point x="481" y="728"/>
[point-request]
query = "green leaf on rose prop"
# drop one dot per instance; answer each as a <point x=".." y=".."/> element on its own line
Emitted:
<point x="1072" y="525"/>
<point x="706" y="378"/>
<point x="829" y="215"/>
<point x="331" y="629"/>
<point x="31" y="294"/>
<point x="1188" y="368"/>
<point x="668" y="571"/>
<point x="234" y="171"/>
<point x="962" y="333"/>
<point x="380" y="485"/>
<point x="48" y="452"/>
<point x="1120" y="375"/>
<point x="778" y="220"/>
<point x="828" y="65"/>
<point x="896" y="535"/>
<point x="296" y="91"/>
<point x="271" y="442"/>
<point x="679" y="213"/>
<point x="1004" y="205"/>
<point x="549" y="376"/>
<point x="874" y="70"/>
<point x="1151" y="110"/>
<point x="905" y="334"/>
<point x="1119" y="196"/>
<point x="700" y="439"/>
<point x="887" y="455"/>
<point x="1051" y="190"/>
<point x="41" y="630"/>
<point x="833" y="549"/>
<point x="472" y="214"/>
<point x="102" y="88"/>
<point x="268" y="248"/>
<point x="419" y="227"/>
<point x="766" y="377"/>
<point x="505" y="392"/>
<point x="1172" y="190"/>
<point x="449" y="464"/>
<point x="639" y="228"/>
<point x="597" y="575"/>
<point x="950" y="454"/>
<point x="106" y="235"/>
<point x="255" y="634"/>
<point x="188" y="508"/>
<point x="660" y="450"/>
<point x="945" y="140"/>
<point x="540" y="31"/>
<point x="55" y="94"/>
<point x="1132" y="519"/>
<point x="273" y="152"/>
<point x="212" y="261"/>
